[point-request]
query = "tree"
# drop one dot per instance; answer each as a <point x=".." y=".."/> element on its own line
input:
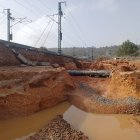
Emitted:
<point x="128" y="49"/>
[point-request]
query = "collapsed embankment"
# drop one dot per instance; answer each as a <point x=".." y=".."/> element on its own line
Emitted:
<point x="8" y="58"/>
<point x="117" y="94"/>
<point x="87" y="99"/>
<point x="25" y="90"/>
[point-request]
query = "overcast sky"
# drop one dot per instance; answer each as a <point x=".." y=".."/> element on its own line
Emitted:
<point x="85" y="22"/>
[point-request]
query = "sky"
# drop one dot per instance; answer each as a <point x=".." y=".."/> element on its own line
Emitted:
<point x="85" y="23"/>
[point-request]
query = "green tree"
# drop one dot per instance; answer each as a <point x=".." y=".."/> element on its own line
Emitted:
<point x="128" y="49"/>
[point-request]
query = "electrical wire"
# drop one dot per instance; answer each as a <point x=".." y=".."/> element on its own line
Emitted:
<point x="2" y="20"/>
<point x="77" y="25"/>
<point x="25" y="7"/>
<point x="76" y="22"/>
<point x="76" y="35"/>
<point x="48" y="34"/>
<point x="31" y="5"/>
<point x="44" y="4"/>
<point x="42" y="33"/>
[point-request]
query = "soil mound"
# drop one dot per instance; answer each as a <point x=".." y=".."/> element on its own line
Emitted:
<point x="58" y="129"/>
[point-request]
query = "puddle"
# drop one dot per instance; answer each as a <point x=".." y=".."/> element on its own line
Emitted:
<point x="19" y="127"/>
<point x="95" y="126"/>
<point x="102" y="127"/>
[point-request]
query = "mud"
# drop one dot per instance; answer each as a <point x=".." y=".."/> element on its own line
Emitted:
<point x="22" y="126"/>
<point x="102" y="126"/>
<point x="136" y="123"/>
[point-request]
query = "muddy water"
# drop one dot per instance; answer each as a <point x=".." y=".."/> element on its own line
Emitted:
<point x="18" y="127"/>
<point x="96" y="127"/>
<point x="102" y="127"/>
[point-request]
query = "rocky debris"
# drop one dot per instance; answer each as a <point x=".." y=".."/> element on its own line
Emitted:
<point x="14" y="56"/>
<point x="34" y="55"/>
<point x="58" y="129"/>
<point x="89" y="100"/>
<point x="25" y="61"/>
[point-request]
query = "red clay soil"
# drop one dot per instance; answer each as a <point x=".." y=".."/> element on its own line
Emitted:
<point x="125" y="84"/>
<point x="121" y="65"/>
<point x="135" y="63"/>
<point x="25" y="90"/>
<point x="93" y="95"/>
<point x="92" y="65"/>
<point x="100" y="85"/>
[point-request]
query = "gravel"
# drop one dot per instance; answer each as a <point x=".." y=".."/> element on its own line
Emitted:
<point x="131" y="104"/>
<point x="58" y="129"/>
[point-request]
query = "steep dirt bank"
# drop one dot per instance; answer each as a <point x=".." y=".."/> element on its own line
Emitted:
<point x="89" y="100"/>
<point x="7" y="58"/>
<point x="58" y="129"/>
<point x="32" y="54"/>
<point x="125" y="84"/>
<point x="25" y="90"/>
<point x="35" y="55"/>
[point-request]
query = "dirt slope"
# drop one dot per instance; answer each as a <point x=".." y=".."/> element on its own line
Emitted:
<point x="26" y="90"/>
<point x="7" y="58"/>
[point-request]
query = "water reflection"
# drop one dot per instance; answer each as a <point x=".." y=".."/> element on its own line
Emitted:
<point x="101" y="127"/>
<point x="95" y="126"/>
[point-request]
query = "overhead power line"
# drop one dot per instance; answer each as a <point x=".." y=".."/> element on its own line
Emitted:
<point x="28" y="2"/>
<point x="11" y="19"/>
<point x="25" y="7"/>
<point x="44" y="4"/>
<point x="42" y="33"/>
<point x="3" y="19"/>
<point x="77" y="25"/>
<point x="48" y="34"/>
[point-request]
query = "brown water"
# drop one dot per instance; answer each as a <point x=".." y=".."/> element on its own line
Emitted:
<point x="96" y="127"/>
<point x="102" y="127"/>
<point x="18" y="127"/>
